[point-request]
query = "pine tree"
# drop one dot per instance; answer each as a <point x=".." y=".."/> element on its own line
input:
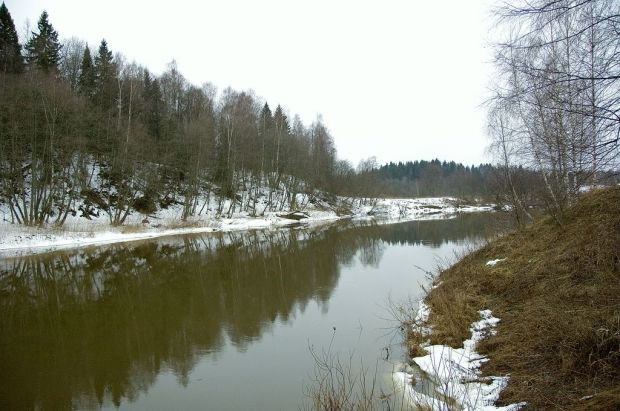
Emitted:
<point x="86" y="80"/>
<point x="105" y="76"/>
<point x="11" y="60"/>
<point x="43" y="49"/>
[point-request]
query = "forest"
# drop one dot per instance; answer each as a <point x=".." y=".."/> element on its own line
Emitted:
<point x="433" y="178"/>
<point x="91" y="126"/>
<point x="84" y="130"/>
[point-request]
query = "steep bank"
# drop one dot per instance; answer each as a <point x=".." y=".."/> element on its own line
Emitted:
<point x="556" y="290"/>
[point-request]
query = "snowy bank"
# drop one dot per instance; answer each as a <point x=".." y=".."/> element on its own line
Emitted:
<point x="417" y="208"/>
<point x="16" y="239"/>
<point x="21" y="240"/>
<point x="454" y="373"/>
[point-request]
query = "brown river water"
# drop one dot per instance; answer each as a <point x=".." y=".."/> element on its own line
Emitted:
<point x="223" y="321"/>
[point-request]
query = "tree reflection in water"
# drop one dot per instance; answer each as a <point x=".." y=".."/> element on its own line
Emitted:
<point x="83" y="327"/>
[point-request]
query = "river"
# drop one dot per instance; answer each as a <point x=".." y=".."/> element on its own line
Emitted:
<point x="222" y="321"/>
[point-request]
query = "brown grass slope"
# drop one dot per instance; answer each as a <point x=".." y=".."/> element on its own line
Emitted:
<point x="557" y="294"/>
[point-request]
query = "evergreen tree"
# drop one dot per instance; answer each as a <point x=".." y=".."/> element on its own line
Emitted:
<point x="265" y="134"/>
<point x="282" y="130"/>
<point x="43" y="49"/>
<point x="266" y="121"/>
<point x="281" y="121"/>
<point x="153" y="106"/>
<point x="10" y="51"/>
<point x="86" y="80"/>
<point x="105" y="76"/>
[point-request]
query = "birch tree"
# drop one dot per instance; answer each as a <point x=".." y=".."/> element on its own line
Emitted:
<point x="559" y="89"/>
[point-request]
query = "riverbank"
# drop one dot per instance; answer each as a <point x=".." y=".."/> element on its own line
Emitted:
<point x="555" y="291"/>
<point x="17" y="239"/>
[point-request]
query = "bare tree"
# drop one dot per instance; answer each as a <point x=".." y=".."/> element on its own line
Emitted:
<point x="558" y="92"/>
<point x="71" y="59"/>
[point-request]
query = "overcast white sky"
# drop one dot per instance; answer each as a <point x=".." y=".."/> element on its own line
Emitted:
<point x="399" y="80"/>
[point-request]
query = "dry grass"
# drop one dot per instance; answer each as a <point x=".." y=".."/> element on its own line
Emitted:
<point x="183" y="224"/>
<point x="172" y="225"/>
<point x="340" y="385"/>
<point x="133" y="228"/>
<point x="558" y="296"/>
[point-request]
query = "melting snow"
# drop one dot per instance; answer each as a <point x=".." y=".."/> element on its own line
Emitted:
<point x="493" y="262"/>
<point x="455" y="371"/>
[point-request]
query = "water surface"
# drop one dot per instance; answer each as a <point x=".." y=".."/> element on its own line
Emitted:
<point x="224" y="321"/>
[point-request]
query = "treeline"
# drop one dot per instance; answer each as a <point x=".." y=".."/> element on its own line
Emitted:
<point x="418" y="178"/>
<point x="84" y="130"/>
<point x="432" y="178"/>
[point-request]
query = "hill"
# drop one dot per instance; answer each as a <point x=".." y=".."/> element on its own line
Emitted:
<point x="556" y="290"/>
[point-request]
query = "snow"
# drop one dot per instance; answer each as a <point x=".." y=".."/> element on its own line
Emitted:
<point x="423" y="312"/>
<point x="415" y="208"/>
<point x="455" y="373"/>
<point x="16" y="239"/>
<point x="19" y="240"/>
<point x="493" y="262"/>
<point x="588" y="188"/>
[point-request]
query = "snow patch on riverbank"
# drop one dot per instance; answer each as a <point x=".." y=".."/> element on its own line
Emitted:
<point x="17" y="239"/>
<point x="21" y="240"/>
<point x="414" y="208"/>
<point x="455" y="373"/>
<point x="494" y="262"/>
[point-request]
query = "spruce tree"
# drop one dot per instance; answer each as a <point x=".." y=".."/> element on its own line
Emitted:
<point x="156" y="110"/>
<point x="281" y="121"/>
<point x="282" y="130"/>
<point x="266" y="120"/>
<point x="105" y="76"/>
<point x="151" y="94"/>
<point x="86" y="80"/>
<point x="43" y="49"/>
<point x="10" y="51"/>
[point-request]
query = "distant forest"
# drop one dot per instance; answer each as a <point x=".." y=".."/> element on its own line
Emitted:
<point x="432" y="178"/>
<point x="82" y="128"/>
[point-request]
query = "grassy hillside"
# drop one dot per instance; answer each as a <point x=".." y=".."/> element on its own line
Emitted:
<point x="557" y="293"/>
